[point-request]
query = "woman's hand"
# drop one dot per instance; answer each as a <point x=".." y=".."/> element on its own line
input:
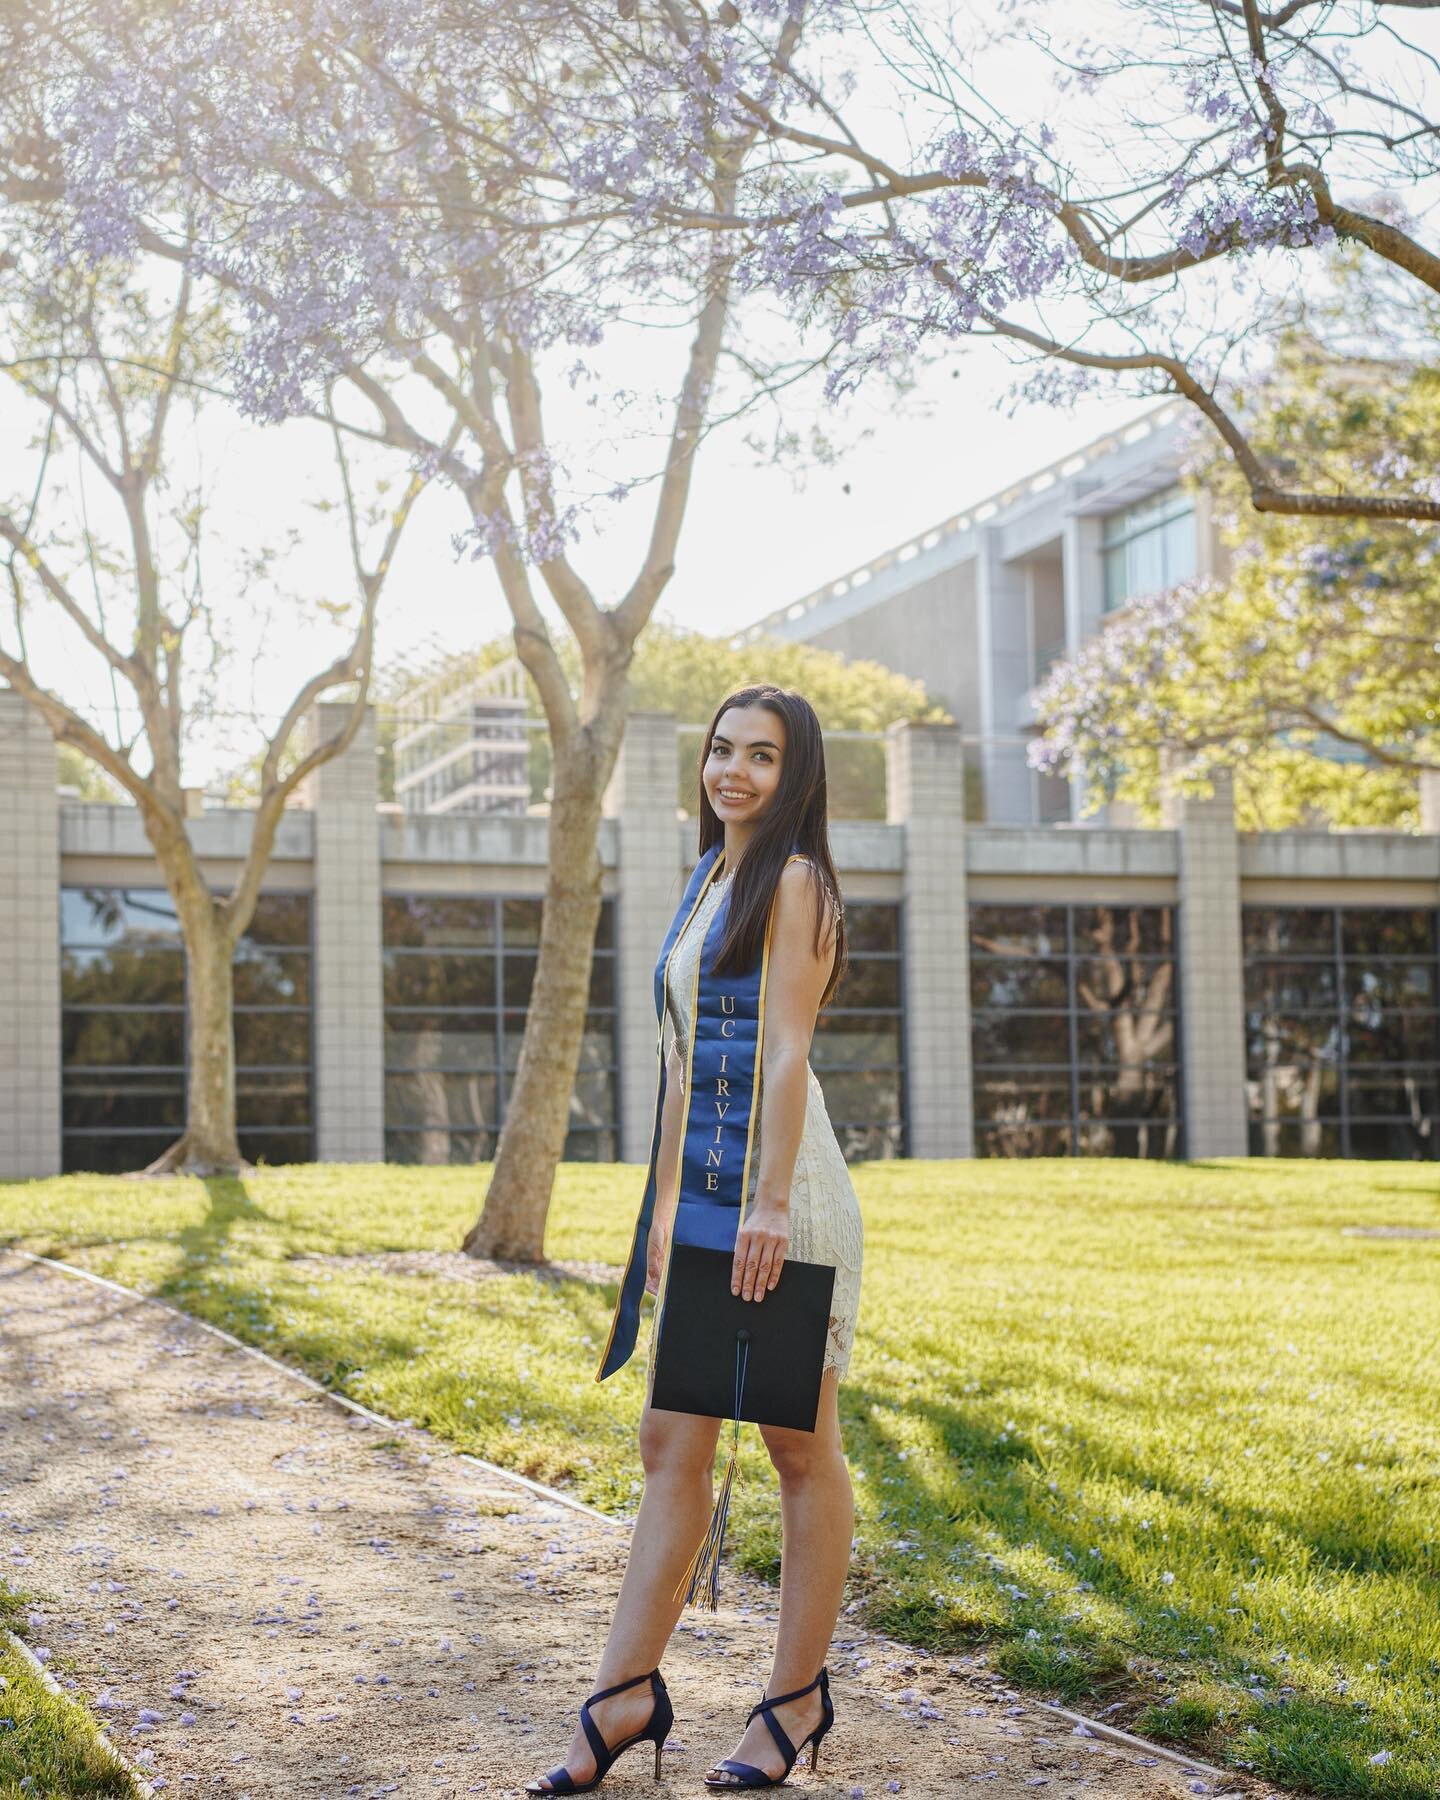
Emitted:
<point x="655" y="1255"/>
<point x="760" y="1246"/>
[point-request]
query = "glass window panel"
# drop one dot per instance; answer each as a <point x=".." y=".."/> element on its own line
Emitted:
<point x="436" y="1149"/>
<point x="592" y="1100"/>
<point x="868" y="1143"/>
<point x="270" y="1099"/>
<point x="103" y="915"/>
<point x="1396" y="1037"/>
<point x="1021" y="1038"/>
<point x="1143" y="1093"/>
<point x="1024" y="1140"/>
<point x="1394" y="1139"/>
<point x="1131" y="930"/>
<point x="1153" y="1139"/>
<point x="110" y="1153"/>
<point x="849" y="1042"/>
<point x="862" y="1095"/>
<point x="1390" y="983"/>
<point x="1027" y="983"/>
<point x="519" y="977"/>
<point x="582" y="1145"/>
<point x="1388" y="930"/>
<point x="1310" y="1138"/>
<point x="597" y="1046"/>
<point x="439" y="1040"/>
<point x="272" y="1037"/>
<point x="281" y="919"/>
<point x="1294" y="1091"/>
<point x="1011" y="1100"/>
<point x="438" y="1101"/>
<point x="1017" y="930"/>
<point x="265" y="977"/>
<point x="869" y="982"/>
<point x="430" y="979"/>
<point x="277" y="1147"/>
<point x="521" y="924"/>
<point x="438" y="921"/>
<point x="141" y="1038"/>
<point x="1282" y="1038"/>
<point x="1124" y="1042"/>
<point x="1179" y="540"/>
<point x="602" y="980"/>
<point x="120" y="976"/>
<point x="1288" y="930"/>
<point x="1290" y="986"/>
<point x="872" y="925"/>
<point x="1116" y="986"/>
<point x="1379" y="1093"/>
<point x="117" y="1100"/>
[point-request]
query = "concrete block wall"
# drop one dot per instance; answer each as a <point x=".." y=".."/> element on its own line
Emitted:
<point x="29" y="944"/>
<point x="1212" y="976"/>
<point x="641" y="800"/>
<point x="925" y="792"/>
<point x="348" y="1000"/>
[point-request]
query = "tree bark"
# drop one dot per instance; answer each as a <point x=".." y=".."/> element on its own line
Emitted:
<point x="511" y="1226"/>
<point x="210" y="1143"/>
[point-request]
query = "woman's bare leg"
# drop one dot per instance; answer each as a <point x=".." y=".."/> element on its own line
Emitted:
<point x="817" y="1514"/>
<point x="677" y="1451"/>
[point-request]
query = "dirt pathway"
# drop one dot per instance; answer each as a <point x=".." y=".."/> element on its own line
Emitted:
<point x="269" y="1597"/>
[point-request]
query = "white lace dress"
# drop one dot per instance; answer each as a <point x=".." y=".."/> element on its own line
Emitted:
<point x="825" y="1224"/>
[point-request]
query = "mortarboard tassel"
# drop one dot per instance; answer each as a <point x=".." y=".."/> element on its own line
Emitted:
<point x="701" y="1580"/>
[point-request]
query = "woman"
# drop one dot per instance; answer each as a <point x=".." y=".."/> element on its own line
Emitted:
<point x="762" y="780"/>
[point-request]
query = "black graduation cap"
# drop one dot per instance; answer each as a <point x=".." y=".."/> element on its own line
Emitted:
<point x="726" y="1357"/>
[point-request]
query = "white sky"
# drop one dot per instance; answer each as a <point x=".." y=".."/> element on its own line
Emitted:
<point x="755" y="538"/>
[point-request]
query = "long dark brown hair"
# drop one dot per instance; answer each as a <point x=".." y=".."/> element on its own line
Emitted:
<point x="796" y="818"/>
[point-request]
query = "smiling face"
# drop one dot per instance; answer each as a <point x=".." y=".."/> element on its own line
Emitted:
<point x="742" y="771"/>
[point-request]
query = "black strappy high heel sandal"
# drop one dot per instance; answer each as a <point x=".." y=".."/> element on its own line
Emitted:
<point x="750" y="1776"/>
<point x="661" y="1719"/>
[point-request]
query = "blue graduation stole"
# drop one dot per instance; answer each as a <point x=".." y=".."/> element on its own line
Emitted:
<point x="718" y="1130"/>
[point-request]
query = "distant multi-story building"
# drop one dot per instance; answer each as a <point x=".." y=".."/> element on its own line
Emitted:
<point x="979" y="606"/>
<point x="462" y="746"/>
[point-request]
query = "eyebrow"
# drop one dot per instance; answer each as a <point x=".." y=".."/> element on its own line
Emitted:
<point x="756" y="744"/>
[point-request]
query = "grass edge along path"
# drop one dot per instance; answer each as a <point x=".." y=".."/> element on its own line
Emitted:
<point x="53" y="1744"/>
<point x="1006" y="1409"/>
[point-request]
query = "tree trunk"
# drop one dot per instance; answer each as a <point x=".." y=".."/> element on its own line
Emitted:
<point x="209" y="1145"/>
<point x="511" y="1225"/>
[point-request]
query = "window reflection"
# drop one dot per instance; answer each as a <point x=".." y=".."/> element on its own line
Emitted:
<point x="1074" y="1031"/>
<point x="458" y="972"/>
<point x="1342" y="1031"/>
<point x="122" y="1024"/>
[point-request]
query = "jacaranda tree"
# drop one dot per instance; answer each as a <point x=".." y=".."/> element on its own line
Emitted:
<point x="422" y="213"/>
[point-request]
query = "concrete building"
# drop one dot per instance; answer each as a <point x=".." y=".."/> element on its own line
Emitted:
<point x="1021" y="983"/>
<point x="1013" y="989"/>
<point x="979" y="606"/>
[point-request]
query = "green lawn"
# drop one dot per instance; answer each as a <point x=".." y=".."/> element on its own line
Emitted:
<point x="1158" y="1435"/>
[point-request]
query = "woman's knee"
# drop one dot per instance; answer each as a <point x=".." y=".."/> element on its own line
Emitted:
<point x="795" y="1454"/>
<point x="676" y="1443"/>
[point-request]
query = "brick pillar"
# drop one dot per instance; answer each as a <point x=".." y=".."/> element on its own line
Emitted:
<point x="349" y="1076"/>
<point x="641" y="799"/>
<point x="1212" y="976"/>
<point x="29" y="944"/>
<point x="925" y="792"/>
